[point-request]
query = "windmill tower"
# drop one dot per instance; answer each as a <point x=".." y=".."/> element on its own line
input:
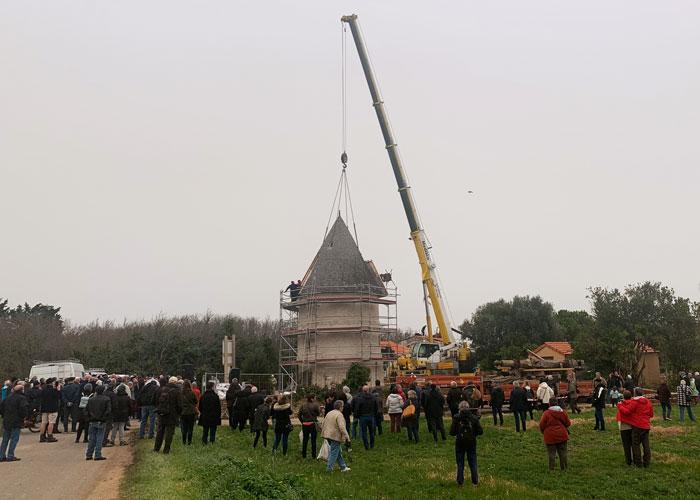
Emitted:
<point x="342" y="312"/>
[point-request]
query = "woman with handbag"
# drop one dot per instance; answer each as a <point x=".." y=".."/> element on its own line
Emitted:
<point x="281" y="414"/>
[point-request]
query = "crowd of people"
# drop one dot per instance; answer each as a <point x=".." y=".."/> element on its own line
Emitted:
<point x="99" y="409"/>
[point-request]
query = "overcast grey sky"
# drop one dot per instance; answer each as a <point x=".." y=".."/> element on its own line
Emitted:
<point x="177" y="157"/>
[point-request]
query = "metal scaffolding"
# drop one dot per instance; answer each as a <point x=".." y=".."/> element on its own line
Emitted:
<point x="300" y="351"/>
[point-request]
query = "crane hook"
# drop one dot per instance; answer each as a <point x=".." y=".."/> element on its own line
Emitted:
<point x="344" y="159"/>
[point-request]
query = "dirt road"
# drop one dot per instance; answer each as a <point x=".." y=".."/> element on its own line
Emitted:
<point x="53" y="470"/>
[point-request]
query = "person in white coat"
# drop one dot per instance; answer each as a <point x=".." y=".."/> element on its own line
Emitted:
<point x="544" y="395"/>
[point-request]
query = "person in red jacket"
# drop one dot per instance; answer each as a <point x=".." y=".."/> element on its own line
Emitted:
<point x="625" y="426"/>
<point x="554" y="424"/>
<point x="638" y="413"/>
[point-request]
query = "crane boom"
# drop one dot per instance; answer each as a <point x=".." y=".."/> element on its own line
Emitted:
<point x="420" y="240"/>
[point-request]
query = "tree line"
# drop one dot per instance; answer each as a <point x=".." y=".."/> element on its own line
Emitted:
<point x="622" y="324"/>
<point x="161" y="345"/>
<point x="613" y="335"/>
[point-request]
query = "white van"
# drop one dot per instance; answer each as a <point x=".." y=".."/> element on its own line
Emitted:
<point x="58" y="369"/>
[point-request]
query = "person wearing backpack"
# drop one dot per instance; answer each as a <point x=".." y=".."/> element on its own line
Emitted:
<point x="83" y="421"/>
<point x="554" y="425"/>
<point x="308" y="415"/>
<point x="410" y="416"/>
<point x="465" y="428"/>
<point x="169" y="408"/>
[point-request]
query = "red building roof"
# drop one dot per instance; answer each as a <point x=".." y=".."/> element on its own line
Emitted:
<point x="397" y="348"/>
<point x="563" y="348"/>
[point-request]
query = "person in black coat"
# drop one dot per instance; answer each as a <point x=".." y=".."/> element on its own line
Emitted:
<point x="50" y="401"/>
<point x="518" y="405"/>
<point x="599" y="394"/>
<point x="282" y="414"/>
<point x="209" y="413"/>
<point x="255" y="399"/>
<point x="434" y="410"/>
<point x="241" y="408"/>
<point x="120" y="415"/>
<point x="15" y="409"/>
<point x="497" y="400"/>
<point x="169" y="409"/>
<point x="454" y="396"/>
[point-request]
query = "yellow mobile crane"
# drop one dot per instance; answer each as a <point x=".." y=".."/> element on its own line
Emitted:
<point x="445" y="353"/>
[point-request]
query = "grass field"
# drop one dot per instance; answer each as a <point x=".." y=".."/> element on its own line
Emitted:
<point x="509" y="465"/>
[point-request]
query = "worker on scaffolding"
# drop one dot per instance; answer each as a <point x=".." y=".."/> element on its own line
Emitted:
<point x="293" y="289"/>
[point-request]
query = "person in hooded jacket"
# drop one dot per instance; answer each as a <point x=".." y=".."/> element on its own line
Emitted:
<point x="260" y="417"/>
<point x="638" y="412"/>
<point x="544" y="394"/>
<point x="465" y="428"/>
<point x="120" y="415"/>
<point x="282" y="412"/>
<point x="209" y="413"/>
<point x="554" y="425"/>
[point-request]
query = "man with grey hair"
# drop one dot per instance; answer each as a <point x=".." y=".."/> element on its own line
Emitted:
<point x="335" y="433"/>
<point x="518" y="405"/>
<point x="169" y="409"/>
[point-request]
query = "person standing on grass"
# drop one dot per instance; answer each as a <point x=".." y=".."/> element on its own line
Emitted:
<point x="241" y="407"/>
<point x="497" y="400"/>
<point x="554" y="425"/>
<point x="434" y="410"/>
<point x="189" y="412"/>
<point x="99" y="410"/>
<point x="466" y="427"/>
<point x="378" y="397"/>
<point x="394" y="406"/>
<point x="599" y="394"/>
<point x="366" y="410"/>
<point x="518" y="405"/>
<point x="209" y="413"/>
<point x="308" y="416"/>
<point x="530" y="398"/>
<point x="625" y="427"/>
<point x="281" y="414"/>
<point x="454" y="397"/>
<point x="572" y="393"/>
<point x="410" y="418"/>
<point x="169" y="409"/>
<point x="544" y="394"/>
<point x="663" y="394"/>
<point x="335" y="433"/>
<point x="15" y="408"/>
<point x="120" y="415"/>
<point x="684" y="395"/>
<point x="147" y="402"/>
<point x="260" y="425"/>
<point x="255" y="399"/>
<point x="638" y="412"/>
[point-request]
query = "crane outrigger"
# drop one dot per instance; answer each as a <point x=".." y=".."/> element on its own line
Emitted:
<point x="449" y="354"/>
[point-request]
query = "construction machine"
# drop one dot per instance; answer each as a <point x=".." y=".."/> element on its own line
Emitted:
<point x="444" y="352"/>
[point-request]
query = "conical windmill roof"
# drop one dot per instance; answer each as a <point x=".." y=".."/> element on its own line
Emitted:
<point x="339" y="267"/>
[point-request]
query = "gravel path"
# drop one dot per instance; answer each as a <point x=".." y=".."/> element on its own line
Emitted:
<point x="56" y="470"/>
